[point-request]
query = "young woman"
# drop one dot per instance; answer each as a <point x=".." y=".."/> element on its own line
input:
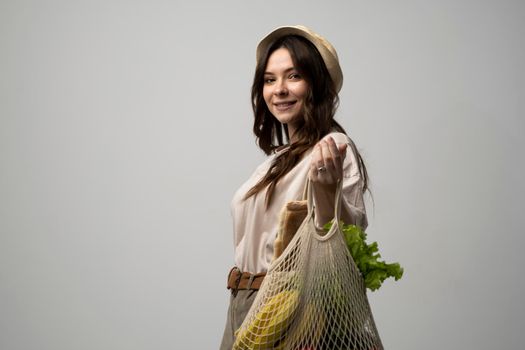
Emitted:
<point x="294" y="99"/>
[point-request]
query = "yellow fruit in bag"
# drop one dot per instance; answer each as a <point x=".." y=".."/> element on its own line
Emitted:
<point x="307" y="329"/>
<point x="270" y="324"/>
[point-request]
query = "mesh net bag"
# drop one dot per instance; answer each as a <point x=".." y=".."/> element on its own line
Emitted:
<point x="312" y="298"/>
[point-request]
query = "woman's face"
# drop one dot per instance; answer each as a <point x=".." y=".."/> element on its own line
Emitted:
<point x="284" y="89"/>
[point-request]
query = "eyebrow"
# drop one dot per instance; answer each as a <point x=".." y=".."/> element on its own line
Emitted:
<point x="285" y="71"/>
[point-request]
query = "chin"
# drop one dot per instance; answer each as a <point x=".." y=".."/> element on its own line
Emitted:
<point x="287" y="118"/>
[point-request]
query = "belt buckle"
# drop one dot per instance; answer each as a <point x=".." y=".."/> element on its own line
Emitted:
<point x="250" y="281"/>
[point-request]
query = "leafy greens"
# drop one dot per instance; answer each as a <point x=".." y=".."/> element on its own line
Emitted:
<point x="366" y="257"/>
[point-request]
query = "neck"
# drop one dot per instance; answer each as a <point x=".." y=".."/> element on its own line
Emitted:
<point x="291" y="133"/>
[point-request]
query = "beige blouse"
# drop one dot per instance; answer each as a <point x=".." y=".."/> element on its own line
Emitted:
<point x="255" y="227"/>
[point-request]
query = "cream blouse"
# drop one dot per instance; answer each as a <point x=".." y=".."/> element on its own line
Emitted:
<point x="255" y="226"/>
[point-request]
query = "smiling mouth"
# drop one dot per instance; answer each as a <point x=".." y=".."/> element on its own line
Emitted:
<point x="283" y="106"/>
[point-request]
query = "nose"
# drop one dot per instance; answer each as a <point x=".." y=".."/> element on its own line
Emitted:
<point x="281" y="88"/>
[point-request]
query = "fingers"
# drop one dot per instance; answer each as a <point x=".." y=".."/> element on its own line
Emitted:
<point x="327" y="161"/>
<point x="330" y="160"/>
<point x="314" y="164"/>
<point x="333" y="156"/>
<point x="342" y="149"/>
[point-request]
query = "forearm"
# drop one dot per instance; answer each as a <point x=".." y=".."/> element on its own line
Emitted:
<point x="324" y="198"/>
<point x="352" y="209"/>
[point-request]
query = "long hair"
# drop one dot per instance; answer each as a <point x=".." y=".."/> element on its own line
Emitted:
<point x="320" y="105"/>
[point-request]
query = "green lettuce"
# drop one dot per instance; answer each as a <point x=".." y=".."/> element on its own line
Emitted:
<point x="366" y="257"/>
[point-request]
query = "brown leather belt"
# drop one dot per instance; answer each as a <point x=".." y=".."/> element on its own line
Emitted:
<point x="238" y="280"/>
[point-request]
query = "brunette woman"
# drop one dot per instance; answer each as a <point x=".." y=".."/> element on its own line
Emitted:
<point x="294" y="99"/>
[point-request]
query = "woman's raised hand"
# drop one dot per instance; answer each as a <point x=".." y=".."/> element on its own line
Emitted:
<point x="326" y="167"/>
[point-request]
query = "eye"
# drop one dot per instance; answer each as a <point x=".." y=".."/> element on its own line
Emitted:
<point x="269" y="80"/>
<point x="295" y="76"/>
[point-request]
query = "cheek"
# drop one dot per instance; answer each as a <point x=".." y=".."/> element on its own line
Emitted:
<point x="302" y="91"/>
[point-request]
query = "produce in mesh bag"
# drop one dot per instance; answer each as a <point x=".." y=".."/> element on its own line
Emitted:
<point x="329" y="308"/>
<point x="366" y="257"/>
<point x="314" y="294"/>
<point x="270" y="324"/>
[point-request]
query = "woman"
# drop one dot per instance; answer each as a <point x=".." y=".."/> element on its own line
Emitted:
<point x="294" y="98"/>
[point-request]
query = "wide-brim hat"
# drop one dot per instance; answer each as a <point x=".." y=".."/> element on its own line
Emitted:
<point x="326" y="49"/>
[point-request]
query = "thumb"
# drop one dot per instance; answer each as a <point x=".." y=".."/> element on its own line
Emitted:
<point x="342" y="149"/>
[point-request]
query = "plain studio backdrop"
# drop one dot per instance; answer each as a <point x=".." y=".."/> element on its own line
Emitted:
<point x="125" y="128"/>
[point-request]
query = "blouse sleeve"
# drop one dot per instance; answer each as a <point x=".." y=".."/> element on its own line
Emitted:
<point x="353" y="208"/>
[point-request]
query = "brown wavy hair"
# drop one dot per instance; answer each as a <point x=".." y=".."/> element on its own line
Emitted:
<point x="320" y="105"/>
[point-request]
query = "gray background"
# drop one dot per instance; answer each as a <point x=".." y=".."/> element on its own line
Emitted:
<point x="125" y="128"/>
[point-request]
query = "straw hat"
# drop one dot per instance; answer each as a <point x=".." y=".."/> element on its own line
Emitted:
<point x="326" y="49"/>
